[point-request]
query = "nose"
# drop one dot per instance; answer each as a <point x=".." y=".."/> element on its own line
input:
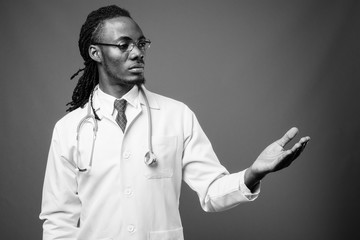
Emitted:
<point x="136" y="53"/>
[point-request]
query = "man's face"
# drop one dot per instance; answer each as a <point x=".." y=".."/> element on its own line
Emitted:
<point x="118" y="67"/>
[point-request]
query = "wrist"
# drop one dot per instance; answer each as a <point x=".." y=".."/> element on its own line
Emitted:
<point x="256" y="173"/>
<point x="252" y="177"/>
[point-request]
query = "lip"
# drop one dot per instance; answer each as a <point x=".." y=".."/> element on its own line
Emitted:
<point x="137" y="68"/>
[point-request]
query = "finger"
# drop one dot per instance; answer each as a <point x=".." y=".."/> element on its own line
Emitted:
<point x="290" y="155"/>
<point x="296" y="147"/>
<point x="303" y="145"/>
<point x="288" y="136"/>
<point x="286" y="159"/>
<point x="304" y="140"/>
<point x="299" y="150"/>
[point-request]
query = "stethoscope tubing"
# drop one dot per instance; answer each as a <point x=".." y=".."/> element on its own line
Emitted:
<point x="150" y="158"/>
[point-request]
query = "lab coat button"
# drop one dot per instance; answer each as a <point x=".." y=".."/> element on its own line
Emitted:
<point x="131" y="228"/>
<point x="126" y="155"/>
<point x="128" y="191"/>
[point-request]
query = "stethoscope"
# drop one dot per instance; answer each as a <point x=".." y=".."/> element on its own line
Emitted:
<point x="91" y="116"/>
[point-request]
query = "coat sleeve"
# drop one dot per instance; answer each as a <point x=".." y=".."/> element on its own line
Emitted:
<point x="61" y="206"/>
<point x="216" y="188"/>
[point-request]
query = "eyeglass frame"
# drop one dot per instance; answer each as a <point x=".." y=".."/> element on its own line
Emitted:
<point x="132" y="44"/>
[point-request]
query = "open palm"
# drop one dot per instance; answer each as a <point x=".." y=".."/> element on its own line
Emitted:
<point x="275" y="157"/>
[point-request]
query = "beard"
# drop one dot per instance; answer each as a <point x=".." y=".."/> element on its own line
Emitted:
<point x="123" y="82"/>
<point x="130" y="83"/>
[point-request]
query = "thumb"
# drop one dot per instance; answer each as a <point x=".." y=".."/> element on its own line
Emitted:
<point x="288" y="136"/>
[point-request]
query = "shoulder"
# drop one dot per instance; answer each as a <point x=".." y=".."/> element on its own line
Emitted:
<point x="166" y="103"/>
<point x="71" y="119"/>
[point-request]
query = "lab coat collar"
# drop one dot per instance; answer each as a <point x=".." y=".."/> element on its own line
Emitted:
<point x="153" y="103"/>
<point x="96" y="102"/>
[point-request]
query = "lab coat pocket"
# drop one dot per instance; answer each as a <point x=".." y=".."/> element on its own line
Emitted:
<point x="165" y="149"/>
<point x="175" y="234"/>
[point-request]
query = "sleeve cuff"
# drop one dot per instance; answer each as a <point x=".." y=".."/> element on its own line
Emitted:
<point x="245" y="190"/>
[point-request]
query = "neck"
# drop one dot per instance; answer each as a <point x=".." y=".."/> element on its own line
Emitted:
<point x="115" y="90"/>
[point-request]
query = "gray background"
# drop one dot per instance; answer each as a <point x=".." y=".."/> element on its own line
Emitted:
<point x="250" y="70"/>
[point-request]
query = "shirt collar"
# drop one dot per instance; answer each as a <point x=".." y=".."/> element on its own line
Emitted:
<point x="106" y="101"/>
<point x="132" y="96"/>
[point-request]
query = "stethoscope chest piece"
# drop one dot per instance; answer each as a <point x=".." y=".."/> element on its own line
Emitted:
<point x="150" y="159"/>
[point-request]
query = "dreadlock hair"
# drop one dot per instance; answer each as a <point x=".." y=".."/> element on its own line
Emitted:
<point x="89" y="33"/>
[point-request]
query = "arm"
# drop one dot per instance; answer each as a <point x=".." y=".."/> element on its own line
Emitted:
<point x="60" y="207"/>
<point x="274" y="158"/>
<point x="217" y="189"/>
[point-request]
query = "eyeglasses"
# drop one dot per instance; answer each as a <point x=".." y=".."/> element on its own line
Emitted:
<point x="128" y="46"/>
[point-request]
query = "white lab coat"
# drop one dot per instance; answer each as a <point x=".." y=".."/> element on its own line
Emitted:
<point x="120" y="196"/>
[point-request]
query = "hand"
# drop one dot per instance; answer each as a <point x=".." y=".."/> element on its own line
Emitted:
<point x="275" y="157"/>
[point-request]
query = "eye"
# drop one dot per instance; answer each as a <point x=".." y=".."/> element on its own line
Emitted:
<point x="142" y="44"/>
<point x="123" y="46"/>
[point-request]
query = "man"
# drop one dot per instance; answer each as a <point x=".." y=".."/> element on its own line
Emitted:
<point x="97" y="185"/>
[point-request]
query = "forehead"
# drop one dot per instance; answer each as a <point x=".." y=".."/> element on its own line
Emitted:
<point x="115" y="28"/>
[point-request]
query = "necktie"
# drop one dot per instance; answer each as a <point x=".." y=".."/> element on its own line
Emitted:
<point x="120" y="106"/>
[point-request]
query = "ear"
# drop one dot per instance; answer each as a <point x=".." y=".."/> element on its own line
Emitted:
<point x="95" y="53"/>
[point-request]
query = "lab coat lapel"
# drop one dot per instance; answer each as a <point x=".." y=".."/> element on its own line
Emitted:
<point x="135" y="112"/>
<point x="153" y="104"/>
